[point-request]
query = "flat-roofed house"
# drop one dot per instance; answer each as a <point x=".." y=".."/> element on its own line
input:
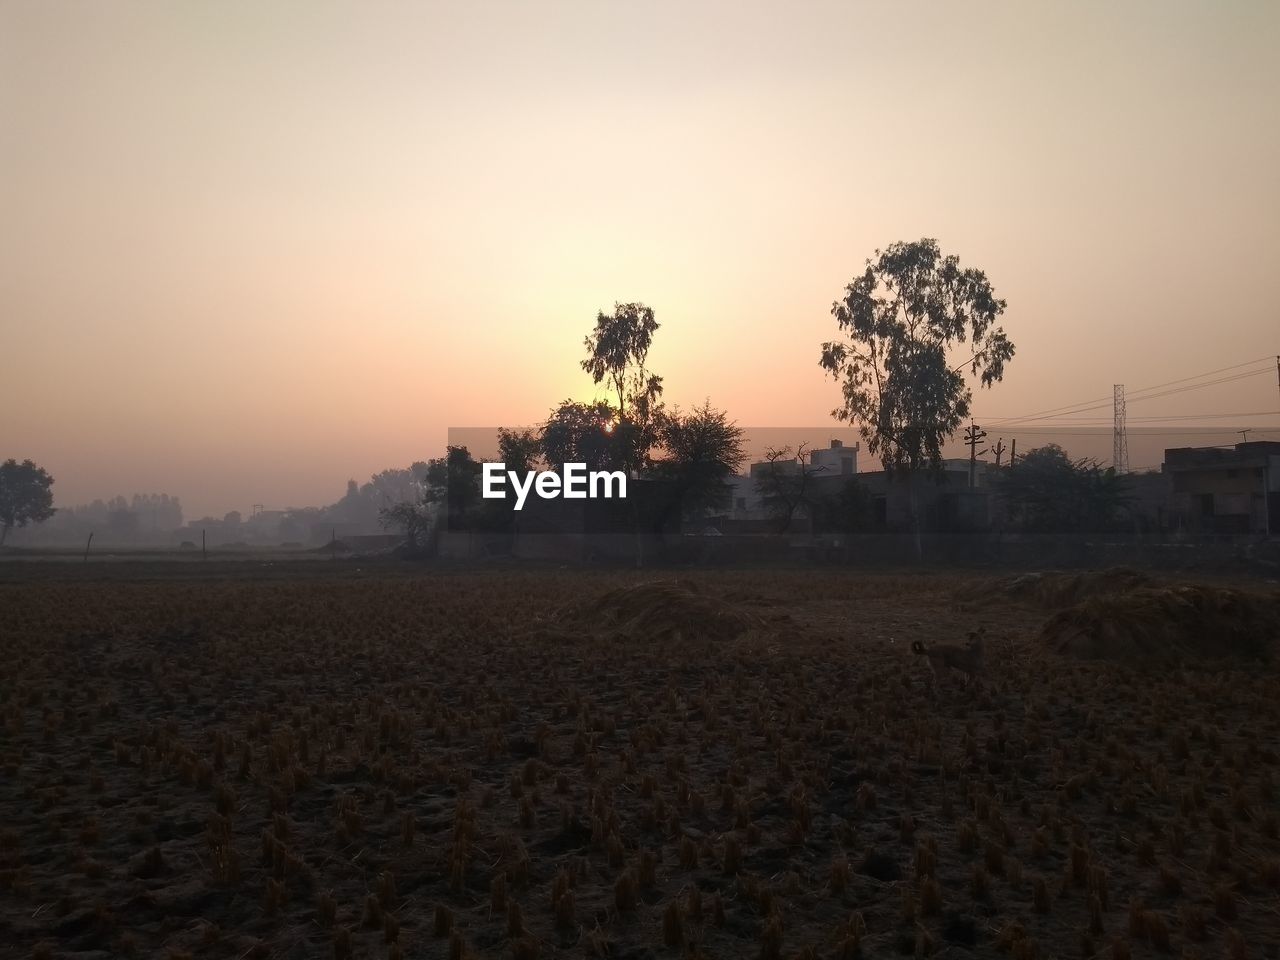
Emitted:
<point x="1221" y="490"/>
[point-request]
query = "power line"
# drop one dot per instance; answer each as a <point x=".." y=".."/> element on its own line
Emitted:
<point x="1102" y="430"/>
<point x="1102" y="400"/>
<point x="1207" y="383"/>
<point x="1069" y="408"/>
<point x="1157" y="396"/>
<point x="1234" y="366"/>
<point x="1188" y="416"/>
<point x="1144" y="394"/>
<point x="1186" y="389"/>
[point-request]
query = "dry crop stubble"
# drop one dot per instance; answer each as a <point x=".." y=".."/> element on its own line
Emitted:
<point x="465" y="765"/>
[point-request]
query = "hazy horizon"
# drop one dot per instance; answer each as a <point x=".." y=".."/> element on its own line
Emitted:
<point x="250" y="251"/>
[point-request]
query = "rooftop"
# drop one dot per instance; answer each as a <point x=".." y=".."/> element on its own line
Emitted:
<point x="1251" y="453"/>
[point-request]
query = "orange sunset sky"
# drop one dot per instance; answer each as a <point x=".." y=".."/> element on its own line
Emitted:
<point x="251" y="249"/>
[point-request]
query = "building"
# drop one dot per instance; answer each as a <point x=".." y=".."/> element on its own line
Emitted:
<point x="1219" y="490"/>
<point x="944" y="502"/>
<point x="746" y="502"/>
<point x="836" y="458"/>
<point x="960" y="465"/>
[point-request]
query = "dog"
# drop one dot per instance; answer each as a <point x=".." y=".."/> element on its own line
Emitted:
<point x="967" y="660"/>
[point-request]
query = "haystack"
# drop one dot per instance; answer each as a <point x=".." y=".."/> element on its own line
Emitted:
<point x="662" y="610"/>
<point x="1170" y="623"/>
<point x="1054" y="590"/>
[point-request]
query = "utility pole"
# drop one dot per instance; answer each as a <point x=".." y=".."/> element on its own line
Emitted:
<point x="998" y="450"/>
<point x="1013" y="452"/>
<point x="974" y="435"/>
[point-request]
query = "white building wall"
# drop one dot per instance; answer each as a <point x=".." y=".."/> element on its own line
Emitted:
<point x="836" y="459"/>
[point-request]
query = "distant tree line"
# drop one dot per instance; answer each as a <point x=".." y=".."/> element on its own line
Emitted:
<point x="118" y="519"/>
<point x="128" y="519"/>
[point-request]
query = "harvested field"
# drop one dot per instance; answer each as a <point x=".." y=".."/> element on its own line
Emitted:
<point x="654" y="610"/>
<point x="546" y="764"/>
<point x="1054" y="590"/>
<point x="1190" y="622"/>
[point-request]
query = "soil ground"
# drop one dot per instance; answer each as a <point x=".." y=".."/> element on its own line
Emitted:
<point x="315" y="759"/>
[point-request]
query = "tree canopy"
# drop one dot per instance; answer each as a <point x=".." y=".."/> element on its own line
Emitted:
<point x="785" y="484"/>
<point x="901" y="320"/>
<point x="410" y="519"/>
<point x="1048" y="492"/>
<point x="618" y="351"/>
<point x="849" y="510"/>
<point x="25" y="495"/>
<point x="702" y="450"/>
<point x="582" y="433"/>
<point x="454" y="481"/>
<point x="520" y="450"/>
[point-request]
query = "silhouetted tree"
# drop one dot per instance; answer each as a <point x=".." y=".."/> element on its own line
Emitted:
<point x="398" y="485"/>
<point x="157" y="511"/>
<point x="1048" y="492"/>
<point x="122" y="524"/>
<point x="582" y="433"/>
<point x="25" y="495"/>
<point x="848" y="510"/>
<point x="785" y="485"/>
<point x="618" y="351"/>
<point x="900" y="320"/>
<point x="454" y="481"/>
<point x="95" y="512"/>
<point x="703" y="449"/>
<point x="410" y="519"/>
<point x="520" y="450"/>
